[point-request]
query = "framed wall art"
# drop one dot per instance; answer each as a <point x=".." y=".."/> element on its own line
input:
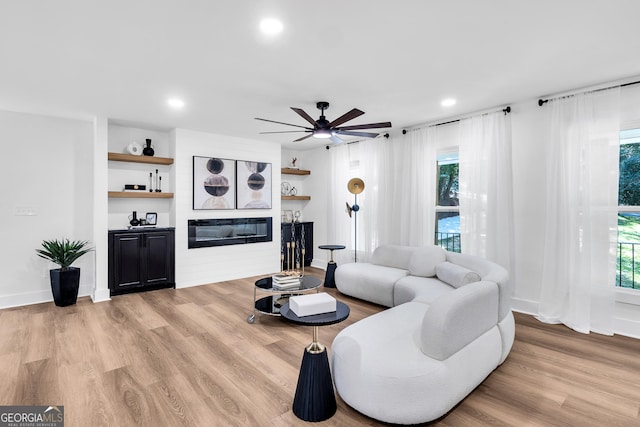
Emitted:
<point x="214" y="183"/>
<point x="254" y="185"/>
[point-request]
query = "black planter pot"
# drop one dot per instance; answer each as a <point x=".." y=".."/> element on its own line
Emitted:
<point x="64" y="285"/>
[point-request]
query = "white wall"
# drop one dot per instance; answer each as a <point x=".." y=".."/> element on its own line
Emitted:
<point x="207" y="265"/>
<point x="47" y="170"/>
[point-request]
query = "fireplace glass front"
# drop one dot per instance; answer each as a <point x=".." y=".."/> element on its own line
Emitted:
<point x="228" y="231"/>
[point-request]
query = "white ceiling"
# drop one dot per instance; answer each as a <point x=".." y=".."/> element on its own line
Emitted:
<point x="395" y="60"/>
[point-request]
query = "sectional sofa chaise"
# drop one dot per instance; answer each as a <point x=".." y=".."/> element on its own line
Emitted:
<point x="449" y="326"/>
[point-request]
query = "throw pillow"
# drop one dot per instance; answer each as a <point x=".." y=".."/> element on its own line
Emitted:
<point x="424" y="260"/>
<point x="456" y="275"/>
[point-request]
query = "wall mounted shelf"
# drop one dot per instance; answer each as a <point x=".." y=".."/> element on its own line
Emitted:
<point x="121" y="157"/>
<point x="290" y="171"/>
<point x="140" y="195"/>
<point x="296" y="197"/>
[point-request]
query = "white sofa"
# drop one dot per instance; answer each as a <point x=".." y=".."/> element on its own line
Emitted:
<point x="449" y="327"/>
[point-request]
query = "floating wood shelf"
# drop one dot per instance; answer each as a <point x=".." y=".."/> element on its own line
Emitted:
<point x="290" y="171"/>
<point x="121" y="157"/>
<point x="296" y="197"/>
<point x="139" y="195"/>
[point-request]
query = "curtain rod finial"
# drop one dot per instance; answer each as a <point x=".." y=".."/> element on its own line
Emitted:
<point x="507" y="110"/>
<point x="404" y="131"/>
<point x="541" y="102"/>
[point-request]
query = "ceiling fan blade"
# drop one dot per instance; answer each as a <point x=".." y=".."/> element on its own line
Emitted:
<point x="285" y="131"/>
<point x="282" y="123"/>
<point x="304" y="115"/>
<point x="361" y="134"/>
<point x="303" y="138"/>
<point x="336" y="140"/>
<point x="367" y="126"/>
<point x="346" y="117"/>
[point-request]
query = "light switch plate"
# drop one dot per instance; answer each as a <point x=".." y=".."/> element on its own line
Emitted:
<point x="24" y="211"/>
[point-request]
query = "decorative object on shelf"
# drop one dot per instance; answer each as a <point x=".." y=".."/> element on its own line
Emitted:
<point x="65" y="281"/>
<point x="150" y="182"/>
<point x="293" y="163"/>
<point x="159" y="189"/>
<point x="133" y="219"/>
<point x="285" y="188"/>
<point x="296" y="216"/>
<point x="158" y="178"/>
<point x="134" y="148"/>
<point x="288" y="216"/>
<point x="293" y="191"/>
<point x="151" y="218"/>
<point x="134" y="187"/>
<point x="355" y="187"/>
<point x="148" y="150"/>
<point x="214" y="183"/>
<point x="254" y="185"/>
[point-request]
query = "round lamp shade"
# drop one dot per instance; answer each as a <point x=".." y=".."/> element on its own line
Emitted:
<point x="355" y="186"/>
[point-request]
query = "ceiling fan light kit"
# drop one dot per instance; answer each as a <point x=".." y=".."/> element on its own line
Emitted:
<point x="324" y="129"/>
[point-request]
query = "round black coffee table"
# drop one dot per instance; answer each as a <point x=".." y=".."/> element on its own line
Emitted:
<point x="329" y="280"/>
<point x="315" y="399"/>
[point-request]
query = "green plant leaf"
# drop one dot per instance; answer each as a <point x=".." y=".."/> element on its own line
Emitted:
<point x="63" y="252"/>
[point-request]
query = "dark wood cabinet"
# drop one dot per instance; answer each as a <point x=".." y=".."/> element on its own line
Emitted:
<point x="141" y="259"/>
<point x="302" y="233"/>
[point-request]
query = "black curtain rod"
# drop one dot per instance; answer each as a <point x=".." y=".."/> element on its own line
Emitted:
<point x="541" y="101"/>
<point x="505" y="110"/>
<point x="385" y="135"/>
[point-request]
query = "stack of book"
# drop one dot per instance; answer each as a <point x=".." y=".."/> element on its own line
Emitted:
<point x="285" y="282"/>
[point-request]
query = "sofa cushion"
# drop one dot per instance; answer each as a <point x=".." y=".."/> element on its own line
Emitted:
<point x="368" y="281"/>
<point x="458" y="318"/>
<point x="419" y="289"/>
<point x="456" y="275"/>
<point x="392" y="256"/>
<point x="424" y="260"/>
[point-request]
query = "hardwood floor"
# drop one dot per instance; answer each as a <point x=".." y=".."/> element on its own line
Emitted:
<point x="189" y="357"/>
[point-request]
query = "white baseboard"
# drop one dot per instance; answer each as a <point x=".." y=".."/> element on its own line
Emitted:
<point x="101" y="295"/>
<point x="627" y="327"/>
<point x="321" y="264"/>
<point x="36" y="297"/>
<point x="524" y="306"/>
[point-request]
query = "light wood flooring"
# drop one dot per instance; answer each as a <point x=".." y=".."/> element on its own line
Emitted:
<point x="189" y="357"/>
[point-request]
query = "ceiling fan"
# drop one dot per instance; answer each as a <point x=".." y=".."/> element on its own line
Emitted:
<point x="324" y="129"/>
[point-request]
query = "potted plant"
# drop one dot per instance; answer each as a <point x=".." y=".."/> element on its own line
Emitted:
<point x="65" y="280"/>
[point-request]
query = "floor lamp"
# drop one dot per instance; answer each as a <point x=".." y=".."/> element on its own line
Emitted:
<point x="355" y="187"/>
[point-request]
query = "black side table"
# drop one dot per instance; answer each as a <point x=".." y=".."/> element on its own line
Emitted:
<point x="329" y="280"/>
<point x="315" y="399"/>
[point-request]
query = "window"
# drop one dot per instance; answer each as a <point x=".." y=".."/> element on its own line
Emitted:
<point x="628" y="271"/>
<point x="447" y="209"/>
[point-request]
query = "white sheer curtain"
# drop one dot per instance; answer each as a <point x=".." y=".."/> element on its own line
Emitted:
<point x="398" y="203"/>
<point x="340" y="226"/>
<point x="486" y="188"/>
<point x="581" y="219"/>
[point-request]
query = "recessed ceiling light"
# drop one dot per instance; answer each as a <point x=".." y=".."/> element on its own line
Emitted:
<point x="175" y="103"/>
<point x="448" y="102"/>
<point x="271" y="26"/>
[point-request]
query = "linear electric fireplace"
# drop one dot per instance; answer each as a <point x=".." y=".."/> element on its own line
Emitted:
<point x="229" y="231"/>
